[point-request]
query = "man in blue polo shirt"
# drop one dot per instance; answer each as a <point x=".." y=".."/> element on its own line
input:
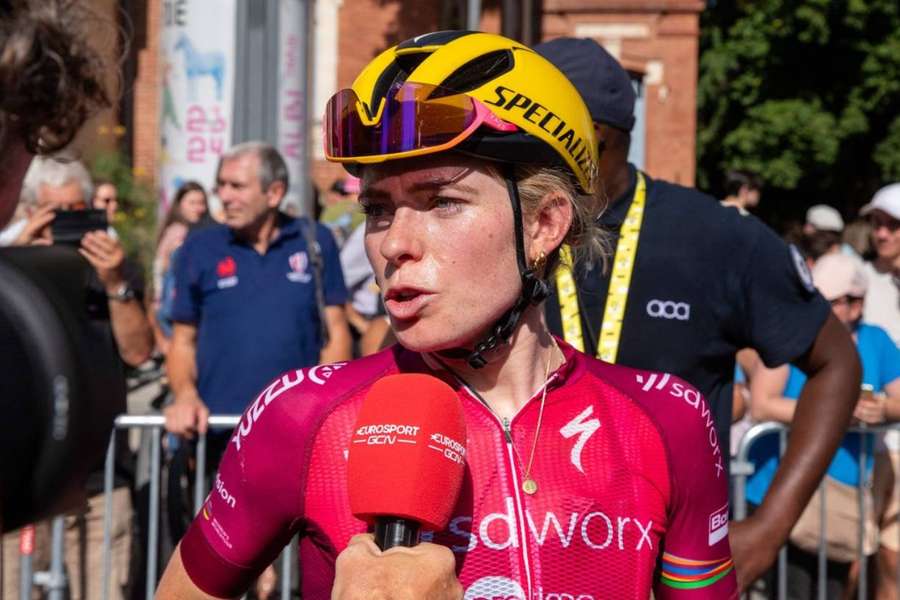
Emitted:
<point x="246" y="306"/>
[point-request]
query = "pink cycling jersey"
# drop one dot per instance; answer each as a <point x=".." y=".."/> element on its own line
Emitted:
<point x="632" y="488"/>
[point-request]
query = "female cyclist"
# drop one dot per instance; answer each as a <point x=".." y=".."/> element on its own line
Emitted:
<point x="584" y="479"/>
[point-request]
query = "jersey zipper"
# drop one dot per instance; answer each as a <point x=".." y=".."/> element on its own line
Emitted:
<point x="521" y="525"/>
<point x="506" y="426"/>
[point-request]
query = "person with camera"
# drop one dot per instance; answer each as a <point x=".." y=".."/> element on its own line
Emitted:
<point x="52" y="185"/>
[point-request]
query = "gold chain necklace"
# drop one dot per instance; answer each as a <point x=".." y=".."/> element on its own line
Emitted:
<point x="529" y="485"/>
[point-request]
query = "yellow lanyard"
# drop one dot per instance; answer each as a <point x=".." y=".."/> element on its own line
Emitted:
<point x="619" y="282"/>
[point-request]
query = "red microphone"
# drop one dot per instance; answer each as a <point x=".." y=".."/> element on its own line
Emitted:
<point x="407" y="457"/>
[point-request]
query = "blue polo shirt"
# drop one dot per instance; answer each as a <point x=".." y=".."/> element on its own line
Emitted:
<point x="256" y="314"/>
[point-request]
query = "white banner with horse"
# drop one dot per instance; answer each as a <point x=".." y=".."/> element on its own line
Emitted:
<point x="198" y="58"/>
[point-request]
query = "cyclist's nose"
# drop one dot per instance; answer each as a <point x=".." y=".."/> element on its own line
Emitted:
<point x="402" y="240"/>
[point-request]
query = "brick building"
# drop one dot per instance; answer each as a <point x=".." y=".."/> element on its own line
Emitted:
<point x="656" y="40"/>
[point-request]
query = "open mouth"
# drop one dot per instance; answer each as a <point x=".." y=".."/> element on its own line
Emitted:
<point x="405" y="303"/>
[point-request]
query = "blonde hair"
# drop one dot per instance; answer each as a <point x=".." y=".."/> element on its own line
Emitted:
<point x="588" y="241"/>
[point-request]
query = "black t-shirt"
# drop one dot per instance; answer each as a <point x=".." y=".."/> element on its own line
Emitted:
<point x="97" y="306"/>
<point x="97" y="303"/>
<point x="707" y="282"/>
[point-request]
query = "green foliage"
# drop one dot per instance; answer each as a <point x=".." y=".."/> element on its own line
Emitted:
<point x="887" y="154"/>
<point x="135" y="221"/>
<point x="804" y="92"/>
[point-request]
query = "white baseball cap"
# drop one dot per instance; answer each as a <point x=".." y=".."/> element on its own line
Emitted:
<point x="825" y="218"/>
<point x="887" y="200"/>
<point x="837" y="275"/>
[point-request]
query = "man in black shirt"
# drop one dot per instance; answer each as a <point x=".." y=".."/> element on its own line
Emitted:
<point x="694" y="282"/>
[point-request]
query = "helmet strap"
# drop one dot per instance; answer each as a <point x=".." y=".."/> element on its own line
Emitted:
<point x="534" y="289"/>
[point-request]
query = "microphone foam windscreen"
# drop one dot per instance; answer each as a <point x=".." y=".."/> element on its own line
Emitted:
<point x="407" y="453"/>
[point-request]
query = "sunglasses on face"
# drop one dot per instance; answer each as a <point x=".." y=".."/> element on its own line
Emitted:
<point x="877" y="222"/>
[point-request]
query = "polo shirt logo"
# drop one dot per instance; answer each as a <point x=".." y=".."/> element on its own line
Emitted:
<point x="298" y="262"/>
<point x="667" y="309"/>
<point x="226" y="269"/>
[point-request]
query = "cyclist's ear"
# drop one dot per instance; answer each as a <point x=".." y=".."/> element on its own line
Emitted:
<point x="547" y="226"/>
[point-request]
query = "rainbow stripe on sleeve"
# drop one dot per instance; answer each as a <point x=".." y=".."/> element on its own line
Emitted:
<point x="687" y="574"/>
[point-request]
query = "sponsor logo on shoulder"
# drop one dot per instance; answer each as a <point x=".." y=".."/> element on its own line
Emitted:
<point x="668" y="309"/>
<point x="653" y="381"/>
<point x="803" y="272"/>
<point x="226" y="497"/>
<point x="718" y="525"/>
<point x="220" y="531"/>
<point x="584" y="428"/>
<point x="693" y="398"/>
<point x="318" y="375"/>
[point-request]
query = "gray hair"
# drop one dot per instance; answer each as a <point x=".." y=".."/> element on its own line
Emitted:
<point x="272" y="167"/>
<point x="55" y="171"/>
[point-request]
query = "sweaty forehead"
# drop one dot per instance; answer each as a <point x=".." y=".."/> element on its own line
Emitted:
<point x="425" y="173"/>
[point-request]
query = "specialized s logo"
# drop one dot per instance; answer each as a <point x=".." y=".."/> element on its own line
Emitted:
<point x="584" y="429"/>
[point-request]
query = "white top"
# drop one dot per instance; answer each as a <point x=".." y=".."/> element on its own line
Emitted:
<point x="882" y="306"/>
<point x="12" y="231"/>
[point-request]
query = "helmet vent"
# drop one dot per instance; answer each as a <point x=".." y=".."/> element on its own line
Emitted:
<point x="392" y="74"/>
<point x="478" y="72"/>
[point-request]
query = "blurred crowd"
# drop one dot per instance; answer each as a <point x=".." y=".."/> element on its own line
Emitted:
<point x="854" y="266"/>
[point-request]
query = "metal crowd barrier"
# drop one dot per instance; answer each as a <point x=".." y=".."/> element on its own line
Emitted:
<point x="55" y="582"/>
<point x="741" y="468"/>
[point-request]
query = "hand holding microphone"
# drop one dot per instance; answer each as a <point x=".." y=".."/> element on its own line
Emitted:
<point x="405" y="469"/>
<point x="364" y="572"/>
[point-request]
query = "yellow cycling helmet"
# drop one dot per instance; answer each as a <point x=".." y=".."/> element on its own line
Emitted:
<point x="477" y="93"/>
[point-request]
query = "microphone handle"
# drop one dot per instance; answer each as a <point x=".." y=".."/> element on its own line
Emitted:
<point x="396" y="531"/>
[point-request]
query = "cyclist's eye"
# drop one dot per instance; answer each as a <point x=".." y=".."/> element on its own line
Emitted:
<point x="373" y="209"/>
<point x="447" y="205"/>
